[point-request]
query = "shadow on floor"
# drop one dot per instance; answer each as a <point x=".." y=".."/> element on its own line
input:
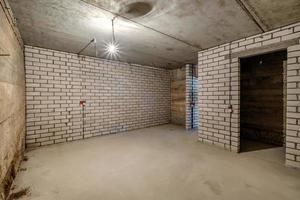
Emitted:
<point x="250" y="145"/>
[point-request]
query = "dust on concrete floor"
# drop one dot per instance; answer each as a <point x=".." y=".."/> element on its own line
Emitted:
<point x="161" y="163"/>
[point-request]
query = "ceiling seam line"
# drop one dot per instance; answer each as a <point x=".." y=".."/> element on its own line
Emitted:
<point x="252" y="15"/>
<point x="145" y="26"/>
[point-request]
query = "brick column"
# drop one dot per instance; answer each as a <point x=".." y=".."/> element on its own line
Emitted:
<point x="293" y="107"/>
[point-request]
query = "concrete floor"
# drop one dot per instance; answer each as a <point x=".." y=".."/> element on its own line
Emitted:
<point x="163" y="162"/>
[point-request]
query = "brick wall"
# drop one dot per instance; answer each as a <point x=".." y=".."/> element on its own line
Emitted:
<point x="119" y="97"/>
<point x="293" y="107"/>
<point x="219" y="76"/>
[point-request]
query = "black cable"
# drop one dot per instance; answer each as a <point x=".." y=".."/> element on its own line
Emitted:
<point x="192" y="109"/>
<point x="83" y="121"/>
<point x="96" y="50"/>
<point x="230" y="97"/>
<point x="113" y="29"/>
<point x="88" y="44"/>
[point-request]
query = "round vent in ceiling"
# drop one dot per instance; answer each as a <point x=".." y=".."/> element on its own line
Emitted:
<point x="136" y="9"/>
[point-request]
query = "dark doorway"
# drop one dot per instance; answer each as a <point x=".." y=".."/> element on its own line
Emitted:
<point x="262" y="101"/>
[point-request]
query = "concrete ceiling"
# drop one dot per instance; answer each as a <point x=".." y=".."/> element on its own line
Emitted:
<point x="157" y="33"/>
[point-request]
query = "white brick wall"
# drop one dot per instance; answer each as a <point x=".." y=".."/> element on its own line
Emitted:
<point x="293" y="107"/>
<point x="219" y="81"/>
<point x="119" y="96"/>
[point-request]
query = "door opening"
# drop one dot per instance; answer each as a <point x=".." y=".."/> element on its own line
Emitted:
<point x="262" y="101"/>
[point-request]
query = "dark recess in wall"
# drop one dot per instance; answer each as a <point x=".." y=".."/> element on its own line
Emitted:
<point x="262" y="98"/>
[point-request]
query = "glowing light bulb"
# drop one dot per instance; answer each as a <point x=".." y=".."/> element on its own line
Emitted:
<point x="112" y="48"/>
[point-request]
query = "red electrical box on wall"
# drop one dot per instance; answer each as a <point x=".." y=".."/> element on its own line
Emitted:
<point x="82" y="103"/>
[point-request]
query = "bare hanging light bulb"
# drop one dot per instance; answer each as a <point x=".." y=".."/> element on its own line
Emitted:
<point x="112" y="48"/>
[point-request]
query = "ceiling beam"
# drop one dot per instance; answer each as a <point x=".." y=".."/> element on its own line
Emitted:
<point x="253" y="15"/>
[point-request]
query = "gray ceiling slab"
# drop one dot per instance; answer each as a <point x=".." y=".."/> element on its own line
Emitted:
<point x="163" y="34"/>
<point x="276" y="13"/>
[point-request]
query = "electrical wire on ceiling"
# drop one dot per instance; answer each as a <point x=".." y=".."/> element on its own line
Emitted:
<point x="145" y="26"/>
<point x="87" y="45"/>
<point x="112" y="48"/>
